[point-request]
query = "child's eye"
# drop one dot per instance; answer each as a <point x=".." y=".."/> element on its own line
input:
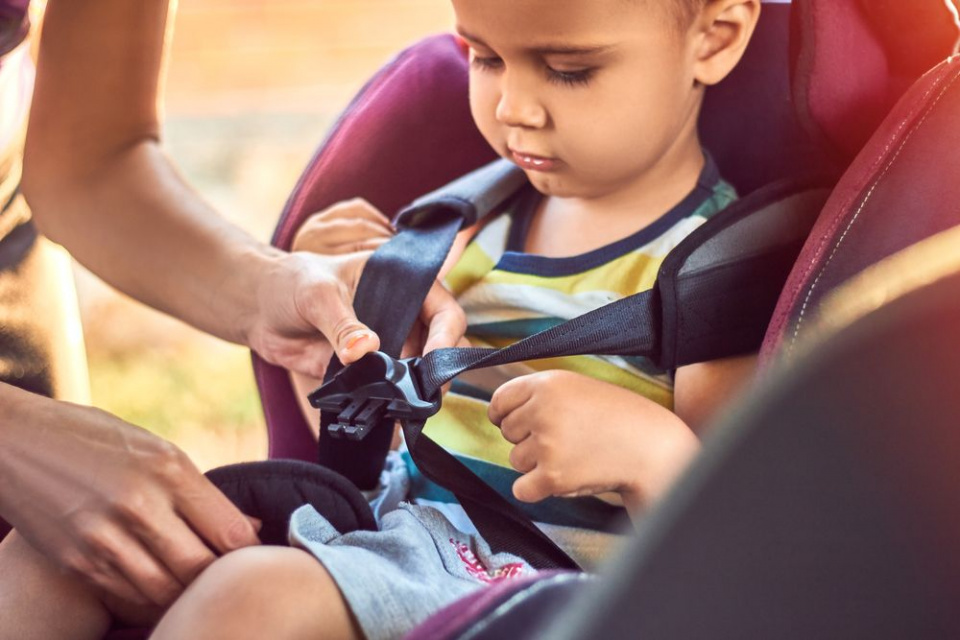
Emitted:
<point x="486" y="62"/>
<point x="579" y="77"/>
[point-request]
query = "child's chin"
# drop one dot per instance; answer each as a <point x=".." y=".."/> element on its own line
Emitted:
<point x="554" y="185"/>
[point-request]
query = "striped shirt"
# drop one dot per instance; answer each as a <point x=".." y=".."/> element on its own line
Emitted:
<point x="508" y="295"/>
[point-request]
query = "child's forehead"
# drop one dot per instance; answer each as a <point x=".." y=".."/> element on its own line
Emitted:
<point x="544" y="23"/>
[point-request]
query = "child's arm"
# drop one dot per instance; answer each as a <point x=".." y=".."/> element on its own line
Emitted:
<point x="575" y="435"/>
<point x="702" y="390"/>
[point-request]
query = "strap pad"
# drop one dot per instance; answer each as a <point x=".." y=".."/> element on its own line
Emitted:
<point x="717" y="289"/>
<point x="274" y="489"/>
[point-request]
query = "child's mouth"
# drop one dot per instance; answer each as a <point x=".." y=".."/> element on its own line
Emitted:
<point x="532" y="162"/>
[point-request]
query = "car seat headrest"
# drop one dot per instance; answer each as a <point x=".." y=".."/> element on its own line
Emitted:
<point x="748" y="121"/>
<point x="901" y="189"/>
<point x="854" y="58"/>
<point x="915" y="35"/>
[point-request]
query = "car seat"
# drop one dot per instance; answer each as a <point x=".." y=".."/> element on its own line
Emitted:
<point x="770" y="141"/>
<point x="748" y="123"/>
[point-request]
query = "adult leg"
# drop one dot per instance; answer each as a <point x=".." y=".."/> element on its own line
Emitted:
<point x="38" y="602"/>
<point x="261" y="592"/>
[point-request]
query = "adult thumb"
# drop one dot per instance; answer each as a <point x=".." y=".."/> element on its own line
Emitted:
<point x="337" y="321"/>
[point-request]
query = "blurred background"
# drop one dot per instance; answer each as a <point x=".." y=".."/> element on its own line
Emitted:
<point x="253" y="86"/>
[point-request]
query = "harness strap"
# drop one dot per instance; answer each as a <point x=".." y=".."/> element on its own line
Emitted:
<point x="395" y="282"/>
<point x="504" y="526"/>
<point x="713" y="297"/>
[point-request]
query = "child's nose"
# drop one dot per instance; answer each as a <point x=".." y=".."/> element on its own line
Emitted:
<point x="518" y="105"/>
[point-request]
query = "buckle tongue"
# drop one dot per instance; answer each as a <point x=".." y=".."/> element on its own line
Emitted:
<point x="375" y="388"/>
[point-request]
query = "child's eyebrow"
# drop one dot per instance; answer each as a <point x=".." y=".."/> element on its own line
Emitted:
<point x="548" y="49"/>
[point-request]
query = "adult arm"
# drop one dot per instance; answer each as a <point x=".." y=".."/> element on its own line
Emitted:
<point x="111" y="502"/>
<point x="99" y="182"/>
<point x="125" y="510"/>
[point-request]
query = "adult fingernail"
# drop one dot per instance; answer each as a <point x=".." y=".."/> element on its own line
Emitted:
<point x="356" y="338"/>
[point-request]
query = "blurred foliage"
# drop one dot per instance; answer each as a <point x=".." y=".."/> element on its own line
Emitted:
<point x="173" y="393"/>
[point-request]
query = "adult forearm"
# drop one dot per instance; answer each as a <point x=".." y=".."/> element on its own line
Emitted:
<point x="99" y="183"/>
<point x="140" y="227"/>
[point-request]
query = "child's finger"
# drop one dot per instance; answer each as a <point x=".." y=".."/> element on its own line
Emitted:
<point x="353" y="208"/>
<point x="532" y="487"/>
<point x="443" y="317"/>
<point x="509" y="397"/>
<point x="514" y="427"/>
<point x="323" y="237"/>
<point x="369" y="246"/>
<point x="523" y="457"/>
<point x="354" y="227"/>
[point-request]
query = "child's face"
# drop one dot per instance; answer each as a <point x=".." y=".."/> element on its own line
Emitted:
<point x="587" y="96"/>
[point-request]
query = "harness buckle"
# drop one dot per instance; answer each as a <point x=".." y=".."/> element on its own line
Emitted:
<point x="374" y="388"/>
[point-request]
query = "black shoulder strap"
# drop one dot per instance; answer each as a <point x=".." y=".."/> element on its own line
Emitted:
<point x="395" y="281"/>
<point x="713" y="297"/>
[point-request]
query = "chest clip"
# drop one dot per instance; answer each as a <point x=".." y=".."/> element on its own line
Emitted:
<point x="375" y="388"/>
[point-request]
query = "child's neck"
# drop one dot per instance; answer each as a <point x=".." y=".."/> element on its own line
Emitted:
<point x="571" y="226"/>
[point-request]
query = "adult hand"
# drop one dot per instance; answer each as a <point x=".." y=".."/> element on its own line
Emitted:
<point x="576" y="436"/>
<point x="307" y="300"/>
<point x="105" y="500"/>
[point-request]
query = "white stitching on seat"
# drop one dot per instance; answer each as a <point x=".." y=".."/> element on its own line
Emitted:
<point x="893" y="138"/>
<point x="866" y="199"/>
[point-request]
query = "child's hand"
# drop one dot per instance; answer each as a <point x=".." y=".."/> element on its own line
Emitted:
<point x="575" y="436"/>
<point x="351" y="226"/>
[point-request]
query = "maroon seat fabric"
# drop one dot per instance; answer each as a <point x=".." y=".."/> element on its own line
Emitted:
<point x="902" y="188"/>
<point x="853" y="59"/>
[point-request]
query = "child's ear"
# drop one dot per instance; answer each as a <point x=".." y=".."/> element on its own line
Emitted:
<point x="722" y="33"/>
